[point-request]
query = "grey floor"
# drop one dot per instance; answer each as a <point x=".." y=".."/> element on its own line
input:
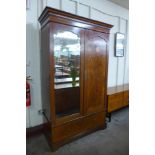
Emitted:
<point x="114" y="140"/>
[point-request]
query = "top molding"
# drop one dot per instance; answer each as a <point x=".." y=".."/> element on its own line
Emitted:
<point x="54" y="15"/>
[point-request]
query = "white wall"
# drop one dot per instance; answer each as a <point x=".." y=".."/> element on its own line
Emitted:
<point x="101" y="10"/>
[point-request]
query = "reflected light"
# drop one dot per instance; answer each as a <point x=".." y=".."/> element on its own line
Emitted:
<point x="68" y="35"/>
<point x="120" y="36"/>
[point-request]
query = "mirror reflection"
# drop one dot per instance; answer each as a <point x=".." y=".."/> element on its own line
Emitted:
<point x="67" y="73"/>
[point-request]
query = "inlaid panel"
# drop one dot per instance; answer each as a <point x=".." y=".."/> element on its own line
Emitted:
<point x="95" y="71"/>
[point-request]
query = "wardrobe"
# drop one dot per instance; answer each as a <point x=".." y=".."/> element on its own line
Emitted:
<point x="74" y="66"/>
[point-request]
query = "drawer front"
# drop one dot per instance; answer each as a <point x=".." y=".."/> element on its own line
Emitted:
<point x="78" y="126"/>
<point x="115" y="101"/>
<point x="126" y="98"/>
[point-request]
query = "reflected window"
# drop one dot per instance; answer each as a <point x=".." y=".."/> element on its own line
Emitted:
<point x="67" y="59"/>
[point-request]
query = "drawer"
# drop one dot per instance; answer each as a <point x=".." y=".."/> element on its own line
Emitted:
<point x="115" y="101"/>
<point x="79" y="125"/>
<point x="126" y="94"/>
<point x="126" y="98"/>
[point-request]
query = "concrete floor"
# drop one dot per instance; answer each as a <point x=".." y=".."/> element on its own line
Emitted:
<point x="114" y="140"/>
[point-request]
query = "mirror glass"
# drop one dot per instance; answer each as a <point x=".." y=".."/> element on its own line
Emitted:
<point x="67" y="73"/>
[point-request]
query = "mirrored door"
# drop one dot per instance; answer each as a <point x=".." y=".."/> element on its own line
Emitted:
<point x="67" y="70"/>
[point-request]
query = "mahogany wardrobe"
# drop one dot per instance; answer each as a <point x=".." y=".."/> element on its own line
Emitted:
<point x="74" y="65"/>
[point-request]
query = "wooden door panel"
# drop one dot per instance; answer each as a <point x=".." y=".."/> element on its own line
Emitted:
<point x="95" y="71"/>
